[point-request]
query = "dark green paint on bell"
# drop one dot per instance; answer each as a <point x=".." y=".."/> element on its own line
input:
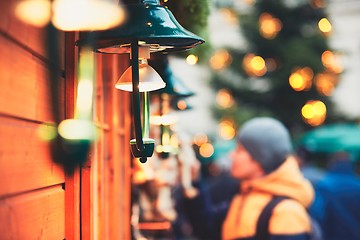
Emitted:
<point x="148" y="22"/>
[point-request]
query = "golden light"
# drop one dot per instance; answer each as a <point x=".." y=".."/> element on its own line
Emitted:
<point x="200" y="139"/>
<point x="226" y="129"/>
<point x="257" y="63"/>
<point x="224" y="99"/>
<point x="307" y="111"/>
<point x="71" y="15"/>
<point x="86" y="15"/>
<point x="34" y="12"/>
<point x="220" y="59"/>
<point x="325" y="83"/>
<point x="301" y="79"/>
<point x="192" y="59"/>
<point x="319" y="108"/>
<point x="254" y="65"/>
<point x="206" y="150"/>
<point x="269" y="26"/>
<point x="330" y="61"/>
<point x="297" y="82"/>
<point x="325" y="25"/>
<point x="314" y="112"/>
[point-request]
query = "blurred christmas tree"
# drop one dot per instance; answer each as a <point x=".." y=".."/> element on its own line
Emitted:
<point x="286" y="70"/>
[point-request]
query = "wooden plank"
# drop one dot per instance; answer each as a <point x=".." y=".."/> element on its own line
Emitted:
<point x="34" y="215"/>
<point x="72" y="205"/>
<point x="72" y="179"/>
<point x="25" y="160"/>
<point x="25" y="88"/>
<point x="121" y="151"/>
<point x="30" y="37"/>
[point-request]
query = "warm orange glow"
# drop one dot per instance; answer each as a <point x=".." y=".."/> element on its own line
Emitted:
<point x="297" y="82"/>
<point x="86" y="15"/>
<point x="226" y="129"/>
<point x="34" y="12"/>
<point x="206" y="150"/>
<point x="224" y="99"/>
<point x="181" y="104"/>
<point x="269" y="26"/>
<point x="314" y="112"/>
<point x="325" y="25"/>
<point x="301" y="79"/>
<point x="257" y="63"/>
<point x="319" y="108"/>
<point x="71" y="15"/>
<point x="220" y="59"/>
<point x="330" y="61"/>
<point x="192" y="59"/>
<point x="154" y="225"/>
<point x="307" y="111"/>
<point x="325" y="83"/>
<point x="254" y="65"/>
<point x="200" y="139"/>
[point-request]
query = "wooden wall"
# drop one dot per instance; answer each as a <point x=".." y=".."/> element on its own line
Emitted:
<point x="38" y="199"/>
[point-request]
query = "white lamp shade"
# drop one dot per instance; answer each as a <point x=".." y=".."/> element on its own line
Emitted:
<point x="149" y="80"/>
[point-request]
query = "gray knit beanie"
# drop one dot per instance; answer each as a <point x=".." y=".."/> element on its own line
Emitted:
<point x="267" y="140"/>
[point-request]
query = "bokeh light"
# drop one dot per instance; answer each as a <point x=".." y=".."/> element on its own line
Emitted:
<point x="220" y="59"/>
<point x="34" y="12"/>
<point x="325" y="25"/>
<point x="269" y="26"/>
<point x="254" y="65"/>
<point x="314" y="112"/>
<point x="192" y="59"/>
<point x="301" y="79"/>
<point x="224" y="98"/>
<point x="226" y="129"/>
<point x="325" y="83"/>
<point x="200" y="139"/>
<point x="330" y="61"/>
<point x="206" y="150"/>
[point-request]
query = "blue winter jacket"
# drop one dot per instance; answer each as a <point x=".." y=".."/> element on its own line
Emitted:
<point x="337" y="203"/>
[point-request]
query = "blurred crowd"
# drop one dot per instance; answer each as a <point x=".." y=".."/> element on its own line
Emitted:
<point x="267" y="190"/>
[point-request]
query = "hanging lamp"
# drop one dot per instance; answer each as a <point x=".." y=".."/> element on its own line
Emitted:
<point x="150" y="25"/>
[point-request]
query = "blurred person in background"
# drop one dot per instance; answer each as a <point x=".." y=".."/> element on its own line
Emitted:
<point x="264" y="164"/>
<point x="336" y="206"/>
